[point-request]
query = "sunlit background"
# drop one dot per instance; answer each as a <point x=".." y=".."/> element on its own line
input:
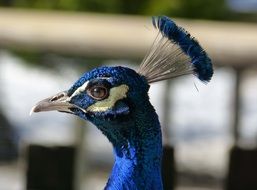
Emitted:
<point x="46" y="45"/>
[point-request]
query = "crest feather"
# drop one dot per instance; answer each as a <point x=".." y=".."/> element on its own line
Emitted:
<point x="174" y="52"/>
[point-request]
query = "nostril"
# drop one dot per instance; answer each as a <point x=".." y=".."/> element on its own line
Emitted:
<point x="54" y="99"/>
<point x="58" y="96"/>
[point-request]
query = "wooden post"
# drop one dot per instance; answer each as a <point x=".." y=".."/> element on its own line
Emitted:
<point x="242" y="162"/>
<point x="166" y="113"/>
<point x="168" y="160"/>
<point x="237" y="105"/>
<point x="50" y="168"/>
<point x="79" y="165"/>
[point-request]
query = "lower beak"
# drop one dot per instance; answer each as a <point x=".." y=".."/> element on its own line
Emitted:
<point x="58" y="102"/>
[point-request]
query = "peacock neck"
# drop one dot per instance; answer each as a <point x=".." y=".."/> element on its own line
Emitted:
<point x="138" y="153"/>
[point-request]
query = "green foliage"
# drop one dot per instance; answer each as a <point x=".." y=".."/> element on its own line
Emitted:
<point x="200" y="9"/>
<point x="47" y="4"/>
<point x="165" y="7"/>
<point x="204" y="9"/>
<point x="209" y="9"/>
<point x="110" y="6"/>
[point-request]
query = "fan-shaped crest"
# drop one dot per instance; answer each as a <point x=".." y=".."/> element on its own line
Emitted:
<point x="174" y="53"/>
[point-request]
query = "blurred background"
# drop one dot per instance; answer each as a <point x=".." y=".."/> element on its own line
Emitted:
<point x="211" y="130"/>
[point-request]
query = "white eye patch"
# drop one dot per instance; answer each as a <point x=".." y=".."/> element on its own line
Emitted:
<point x="115" y="94"/>
<point x="83" y="87"/>
<point x="80" y="89"/>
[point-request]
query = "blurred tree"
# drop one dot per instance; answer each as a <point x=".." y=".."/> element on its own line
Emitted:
<point x="110" y="6"/>
<point x="166" y="7"/>
<point x="48" y="4"/>
<point x="133" y="6"/>
<point x="6" y="2"/>
<point x="204" y="9"/>
<point x="208" y="9"/>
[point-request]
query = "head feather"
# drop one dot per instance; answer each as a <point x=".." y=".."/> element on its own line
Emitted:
<point x="174" y="52"/>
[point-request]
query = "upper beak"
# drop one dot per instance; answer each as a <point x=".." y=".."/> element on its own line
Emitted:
<point x="58" y="102"/>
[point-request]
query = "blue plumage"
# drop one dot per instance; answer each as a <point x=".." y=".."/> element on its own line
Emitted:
<point x="131" y="125"/>
<point x="115" y="99"/>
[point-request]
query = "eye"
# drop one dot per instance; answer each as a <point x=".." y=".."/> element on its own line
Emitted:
<point x="98" y="92"/>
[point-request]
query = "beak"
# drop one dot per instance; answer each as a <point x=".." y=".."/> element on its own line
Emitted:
<point x="58" y="102"/>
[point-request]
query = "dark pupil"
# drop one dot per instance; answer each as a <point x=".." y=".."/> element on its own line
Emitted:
<point x="98" y="92"/>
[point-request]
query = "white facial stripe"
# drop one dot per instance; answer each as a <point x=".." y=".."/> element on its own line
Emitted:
<point x="83" y="87"/>
<point x="79" y="90"/>
<point x="116" y="93"/>
<point x="106" y="78"/>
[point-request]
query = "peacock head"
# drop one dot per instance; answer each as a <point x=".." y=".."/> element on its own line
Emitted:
<point x="103" y="95"/>
<point x="111" y="94"/>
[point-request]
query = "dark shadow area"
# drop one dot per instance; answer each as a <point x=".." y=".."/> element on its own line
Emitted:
<point x="242" y="169"/>
<point x="8" y="140"/>
<point x="50" y="168"/>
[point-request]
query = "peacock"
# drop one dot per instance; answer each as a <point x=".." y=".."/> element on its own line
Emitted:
<point x="115" y="99"/>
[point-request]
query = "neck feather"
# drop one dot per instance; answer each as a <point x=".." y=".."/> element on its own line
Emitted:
<point x="138" y="153"/>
